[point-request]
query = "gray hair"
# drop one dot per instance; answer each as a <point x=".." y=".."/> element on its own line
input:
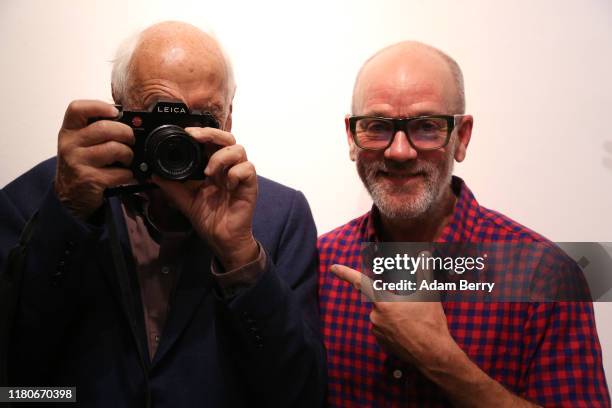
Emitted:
<point x="459" y="103"/>
<point x="121" y="67"/>
<point x="458" y="78"/>
<point x="123" y="58"/>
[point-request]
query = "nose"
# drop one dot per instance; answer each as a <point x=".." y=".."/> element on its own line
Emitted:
<point x="400" y="149"/>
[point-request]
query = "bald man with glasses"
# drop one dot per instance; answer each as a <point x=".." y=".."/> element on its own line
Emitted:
<point x="407" y="128"/>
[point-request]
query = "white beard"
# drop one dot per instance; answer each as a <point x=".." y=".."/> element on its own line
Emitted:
<point x="386" y="200"/>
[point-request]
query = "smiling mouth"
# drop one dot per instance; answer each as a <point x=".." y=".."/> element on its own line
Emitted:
<point x="400" y="175"/>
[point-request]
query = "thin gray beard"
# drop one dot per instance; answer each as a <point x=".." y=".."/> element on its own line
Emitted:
<point x="409" y="209"/>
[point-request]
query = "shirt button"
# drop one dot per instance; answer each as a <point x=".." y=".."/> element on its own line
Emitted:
<point x="165" y="270"/>
<point x="397" y="374"/>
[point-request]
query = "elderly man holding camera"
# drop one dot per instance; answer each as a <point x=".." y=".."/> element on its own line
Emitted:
<point x="200" y="292"/>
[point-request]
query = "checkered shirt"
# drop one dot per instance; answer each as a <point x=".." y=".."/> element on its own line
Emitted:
<point x="546" y="352"/>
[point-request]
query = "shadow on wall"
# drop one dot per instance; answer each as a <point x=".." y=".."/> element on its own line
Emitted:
<point x="607" y="160"/>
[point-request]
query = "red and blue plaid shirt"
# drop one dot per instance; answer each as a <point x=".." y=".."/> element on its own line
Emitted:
<point x="546" y="352"/>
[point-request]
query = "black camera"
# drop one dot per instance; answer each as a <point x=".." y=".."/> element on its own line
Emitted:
<point x="162" y="146"/>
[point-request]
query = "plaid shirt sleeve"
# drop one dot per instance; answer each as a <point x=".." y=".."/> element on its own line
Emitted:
<point x="564" y="356"/>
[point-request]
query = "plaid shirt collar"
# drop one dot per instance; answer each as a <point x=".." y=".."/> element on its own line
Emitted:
<point x="458" y="229"/>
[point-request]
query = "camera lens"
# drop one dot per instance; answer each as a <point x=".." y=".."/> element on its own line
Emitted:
<point x="173" y="153"/>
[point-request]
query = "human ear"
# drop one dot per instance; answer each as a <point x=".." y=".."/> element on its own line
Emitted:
<point x="349" y="139"/>
<point x="464" y="133"/>
<point x="228" y="121"/>
<point x="115" y="96"/>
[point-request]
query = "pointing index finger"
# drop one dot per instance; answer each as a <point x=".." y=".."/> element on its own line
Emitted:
<point x="424" y="274"/>
<point x="355" y="278"/>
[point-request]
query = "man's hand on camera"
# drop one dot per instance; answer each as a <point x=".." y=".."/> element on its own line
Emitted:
<point x="221" y="207"/>
<point x="84" y="154"/>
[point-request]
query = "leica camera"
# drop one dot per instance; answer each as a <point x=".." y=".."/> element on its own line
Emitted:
<point x="162" y="146"/>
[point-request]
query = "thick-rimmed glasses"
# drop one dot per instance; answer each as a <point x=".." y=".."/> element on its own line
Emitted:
<point x="424" y="132"/>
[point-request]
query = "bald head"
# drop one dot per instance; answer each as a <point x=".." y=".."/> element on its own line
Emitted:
<point x="171" y="50"/>
<point x="411" y="64"/>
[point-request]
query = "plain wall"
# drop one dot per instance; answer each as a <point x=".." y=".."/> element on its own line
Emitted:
<point x="537" y="74"/>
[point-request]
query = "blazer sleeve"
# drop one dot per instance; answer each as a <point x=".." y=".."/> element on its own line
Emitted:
<point x="274" y="324"/>
<point x="40" y="276"/>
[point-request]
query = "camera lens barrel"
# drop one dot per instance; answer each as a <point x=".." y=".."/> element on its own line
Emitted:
<point x="173" y="153"/>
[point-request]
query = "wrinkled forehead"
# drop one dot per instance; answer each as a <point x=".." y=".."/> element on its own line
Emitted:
<point x="182" y="60"/>
<point x="403" y="80"/>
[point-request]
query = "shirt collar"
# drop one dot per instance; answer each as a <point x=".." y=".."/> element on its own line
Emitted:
<point x="465" y="215"/>
<point x="137" y="205"/>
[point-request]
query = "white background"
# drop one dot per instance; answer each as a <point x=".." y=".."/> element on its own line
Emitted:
<point x="537" y="74"/>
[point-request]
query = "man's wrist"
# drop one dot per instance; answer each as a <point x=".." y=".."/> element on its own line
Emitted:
<point x="241" y="254"/>
<point x="445" y="358"/>
<point x="233" y="282"/>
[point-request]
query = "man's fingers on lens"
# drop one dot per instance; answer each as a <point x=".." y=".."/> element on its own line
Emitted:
<point x="242" y="172"/>
<point x="79" y="112"/>
<point x="225" y="158"/>
<point x="211" y="135"/>
<point x="109" y="153"/>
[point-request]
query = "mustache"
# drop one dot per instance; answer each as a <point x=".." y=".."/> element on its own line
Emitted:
<point x="394" y="166"/>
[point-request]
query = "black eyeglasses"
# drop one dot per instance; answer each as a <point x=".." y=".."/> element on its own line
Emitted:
<point x="424" y="132"/>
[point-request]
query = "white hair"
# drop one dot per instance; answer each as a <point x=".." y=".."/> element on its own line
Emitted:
<point x="123" y="58"/>
<point x="121" y="65"/>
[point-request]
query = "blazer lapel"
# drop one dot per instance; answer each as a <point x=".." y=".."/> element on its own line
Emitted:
<point x="131" y="305"/>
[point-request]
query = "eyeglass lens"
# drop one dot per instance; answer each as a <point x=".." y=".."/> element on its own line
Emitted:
<point x="424" y="133"/>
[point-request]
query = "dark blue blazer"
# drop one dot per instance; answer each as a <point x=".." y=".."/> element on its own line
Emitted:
<point x="67" y="320"/>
